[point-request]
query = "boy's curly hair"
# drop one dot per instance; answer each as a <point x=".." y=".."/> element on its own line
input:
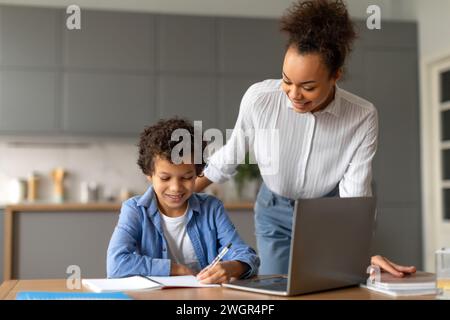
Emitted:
<point x="155" y="141"/>
<point x="321" y="26"/>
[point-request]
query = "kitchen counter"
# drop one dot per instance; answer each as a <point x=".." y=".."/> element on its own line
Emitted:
<point x="30" y="226"/>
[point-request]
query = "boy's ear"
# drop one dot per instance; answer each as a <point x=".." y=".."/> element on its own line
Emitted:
<point x="149" y="178"/>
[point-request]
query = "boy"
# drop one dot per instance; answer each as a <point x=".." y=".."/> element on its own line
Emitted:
<point x="170" y="230"/>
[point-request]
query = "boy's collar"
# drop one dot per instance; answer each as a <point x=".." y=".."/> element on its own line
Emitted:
<point x="148" y="200"/>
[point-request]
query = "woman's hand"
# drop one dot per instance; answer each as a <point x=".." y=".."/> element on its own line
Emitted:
<point x="180" y="270"/>
<point x="222" y="272"/>
<point x="201" y="183"/>
<point x="392" y="268"/>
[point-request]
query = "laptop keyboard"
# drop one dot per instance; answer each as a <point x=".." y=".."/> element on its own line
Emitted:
<point x="275" y="283"/>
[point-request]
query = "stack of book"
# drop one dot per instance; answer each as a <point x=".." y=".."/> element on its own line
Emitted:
<point x="419" y="283"/>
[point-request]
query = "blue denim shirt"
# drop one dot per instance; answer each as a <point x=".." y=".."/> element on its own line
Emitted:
<point x="138" y="245"/>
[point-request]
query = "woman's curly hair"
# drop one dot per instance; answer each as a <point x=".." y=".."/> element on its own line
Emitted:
<point x="321" y="26"/>
<point x="156" y="141"/>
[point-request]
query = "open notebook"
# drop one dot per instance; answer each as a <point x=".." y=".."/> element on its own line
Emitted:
<point x="143" y="283"/>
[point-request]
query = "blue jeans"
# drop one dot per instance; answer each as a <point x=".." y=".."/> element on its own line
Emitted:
<point x="273" y="228"/>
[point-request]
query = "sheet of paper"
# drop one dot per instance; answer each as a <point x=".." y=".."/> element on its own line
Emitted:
<point x="181" y="281"/>
<point x="121" y="284"/>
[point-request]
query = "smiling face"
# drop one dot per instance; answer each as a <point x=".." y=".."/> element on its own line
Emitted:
<point x="307" y="81"/>
<point x="173" y="184"/>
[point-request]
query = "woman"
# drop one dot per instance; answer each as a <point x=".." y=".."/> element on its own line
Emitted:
<point x="327" y="136"/>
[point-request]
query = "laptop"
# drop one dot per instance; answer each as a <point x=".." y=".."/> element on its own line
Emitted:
<point x="330" y="248"/>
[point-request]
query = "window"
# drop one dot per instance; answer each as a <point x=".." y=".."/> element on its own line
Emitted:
<point x="445" y="86"/>
<point x="444" y="89"/>
<point x="446" y="164"/>
<point x="446" y="197"/>
<point x="445" y="125"/>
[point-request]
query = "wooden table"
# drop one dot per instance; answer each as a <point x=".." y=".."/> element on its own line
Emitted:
<point x="9" y="288"/>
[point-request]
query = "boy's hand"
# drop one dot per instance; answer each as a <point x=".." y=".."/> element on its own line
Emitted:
<point x="222" y="272"/>
<point x="180" y="270"/>
<point x="392" y="268"/>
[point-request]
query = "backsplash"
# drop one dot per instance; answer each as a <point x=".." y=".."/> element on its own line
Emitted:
<point x="111" y="165"/>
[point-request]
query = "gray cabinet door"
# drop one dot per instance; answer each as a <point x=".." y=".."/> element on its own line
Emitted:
<point x="111" y="40"/>
<point x="391" y="85"/>
<point x="111" y="104"/>
<point x="109" y="85"/>
<point x="392" y="34"/>
<point x="231" y="91"/>
<point x="186" y="44"/>
<point x="192" y="97"/>
<point x="30" y="37"/>
<point x="354" y="77"/>
<point x="398" y="235"/>
<point x="28" y="101"/>
<point x="251" y="46"/>
<point x="29" y="78"/>
<point x="46" y="243"/>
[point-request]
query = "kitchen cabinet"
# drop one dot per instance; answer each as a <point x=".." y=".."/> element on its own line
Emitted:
<point x="123" y="71"/>
<point x="394" y="90"/>
<point x="231" y="91"/>
<point x="109" y="82"/>
<point x="393" y="34"/>
<point x="243" y="220"/>
<point x="396" y="98"/>
<point x="109" y="104"/>
<point x="28" y="101"/>
<point x="30" y="37"/>
<point x="383" y="69"/>
<point x="186" y="44"/>
<point x="398" y="234"/>
<point x="46" y="243"/>
<point x="192" y="97"/>
<point x="119" y="41"/>
<point x="250" y="46"/>
<point x="47" y="238"/>
<point x="29" y="70"/>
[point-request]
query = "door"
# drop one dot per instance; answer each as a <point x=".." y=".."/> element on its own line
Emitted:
<point x="436" y="155"/>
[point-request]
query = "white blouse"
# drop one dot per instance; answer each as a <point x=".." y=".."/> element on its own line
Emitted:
<point x="302" y="155"/>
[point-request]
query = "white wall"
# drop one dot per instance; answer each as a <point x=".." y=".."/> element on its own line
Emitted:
<point x="433" y="17"/>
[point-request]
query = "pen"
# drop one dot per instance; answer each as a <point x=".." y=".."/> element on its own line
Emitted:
<point x="219" y="256"/>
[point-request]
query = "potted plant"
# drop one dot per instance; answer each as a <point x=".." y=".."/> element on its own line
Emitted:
<point x="247" y="179"/>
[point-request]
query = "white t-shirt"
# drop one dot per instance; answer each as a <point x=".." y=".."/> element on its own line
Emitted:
<point x="180" y="246"/>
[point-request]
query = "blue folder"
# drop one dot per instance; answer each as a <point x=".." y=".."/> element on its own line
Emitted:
<point x="43" y="295"/>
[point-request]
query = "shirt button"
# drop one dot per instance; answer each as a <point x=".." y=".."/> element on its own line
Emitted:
<point x="164" y="249"/>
